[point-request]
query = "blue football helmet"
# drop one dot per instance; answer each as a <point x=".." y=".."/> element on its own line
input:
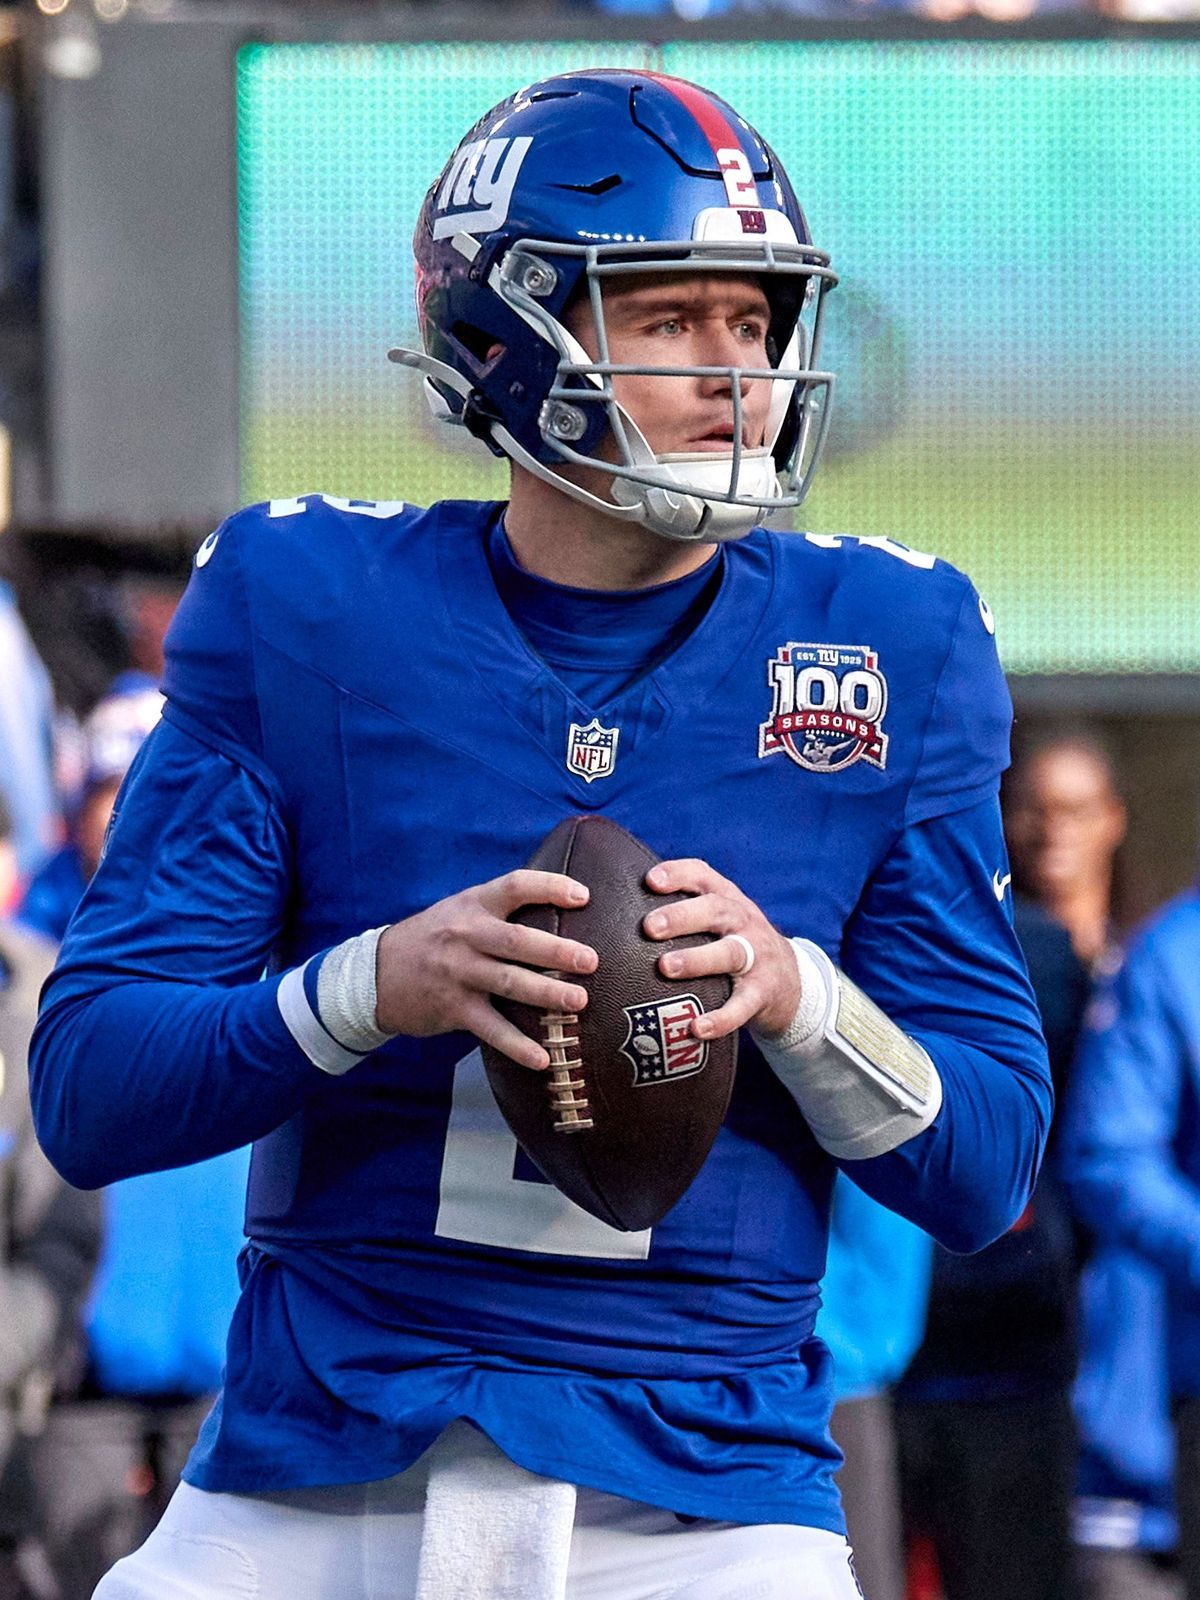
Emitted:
<point x="568" y="182"/>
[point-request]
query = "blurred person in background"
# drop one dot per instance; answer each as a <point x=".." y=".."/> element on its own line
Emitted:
<point x="49" y="1239"/>
<point x="873" y="1301"/>
<point x="1131" y="1143"/>
<point x="1066" y="822"/>
<point x="26" y="742"/>
<point x="155" y="1324"/>
<point x="10" y="875"/>
<point x="983" y="1414"/>
<point x="111" y="737"/>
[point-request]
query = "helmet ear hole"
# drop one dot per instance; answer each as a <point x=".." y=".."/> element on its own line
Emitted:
<point x="480" y="346"/>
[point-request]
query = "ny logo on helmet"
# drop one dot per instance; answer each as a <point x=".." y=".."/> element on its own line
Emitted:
<point x="482" y="175"/>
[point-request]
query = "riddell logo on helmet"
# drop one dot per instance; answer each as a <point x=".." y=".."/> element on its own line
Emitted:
<point x="482" y="176"/>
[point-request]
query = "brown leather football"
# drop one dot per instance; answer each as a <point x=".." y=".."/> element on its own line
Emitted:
<point x="627" y="1112"/>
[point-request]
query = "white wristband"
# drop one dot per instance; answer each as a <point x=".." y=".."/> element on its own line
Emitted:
<point x="342" y="1029"/>
<point x="864" y="1086"/>
<point x="346" y="996"/>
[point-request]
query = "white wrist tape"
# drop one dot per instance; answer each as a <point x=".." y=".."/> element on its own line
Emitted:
<point x="342" y="1029"/>
<point x="346" y="993"/>
<point x="863" y="1084"/>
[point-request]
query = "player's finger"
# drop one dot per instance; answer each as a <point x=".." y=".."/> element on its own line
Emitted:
<point x="527" y="887"/>
<point x="705" y="913"/>
<point x="527" y="988"/>
<point x="486" y="1023"/>
<point x="534" y="948"/>
<point x="722" y="955"/>
<point x="688" y="875"/>
<point x="746" y="1002"/>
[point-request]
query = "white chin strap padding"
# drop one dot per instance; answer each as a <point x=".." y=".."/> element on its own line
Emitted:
<point x="677" y="506"/>
<point x="663" y="510"/>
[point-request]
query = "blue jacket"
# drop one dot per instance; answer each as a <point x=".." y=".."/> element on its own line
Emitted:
<point x="1126" y="1448"/>
<point x="167" y="1281"/>
<point x="1131" y="1135"/>
<point x="53" y="893"/>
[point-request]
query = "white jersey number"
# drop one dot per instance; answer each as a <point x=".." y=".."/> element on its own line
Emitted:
<point x="481" y="1202"/>
<point x="887" y="547"/>
<point x="295" y="504"/>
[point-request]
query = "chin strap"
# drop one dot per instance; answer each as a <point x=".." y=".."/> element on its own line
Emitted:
<point x="675" y="507"/>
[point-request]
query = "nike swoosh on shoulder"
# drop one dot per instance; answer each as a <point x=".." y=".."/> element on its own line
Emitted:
<point x="204" y="554"/>
<point x="999" y="884"/>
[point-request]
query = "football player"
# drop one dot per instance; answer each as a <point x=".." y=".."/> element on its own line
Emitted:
<point x="443" y="1378"/>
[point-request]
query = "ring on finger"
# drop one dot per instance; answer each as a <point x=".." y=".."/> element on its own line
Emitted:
<point x="747" y="951"/>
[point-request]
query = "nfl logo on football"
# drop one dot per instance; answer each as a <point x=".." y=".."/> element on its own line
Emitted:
<point x="592" y="750"/>
<point x="659" y="1043"/>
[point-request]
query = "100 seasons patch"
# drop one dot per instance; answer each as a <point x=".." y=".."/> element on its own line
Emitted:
<point x="827" y="708"/>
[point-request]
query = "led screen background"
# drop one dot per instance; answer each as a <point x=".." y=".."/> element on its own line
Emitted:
<point x="1015" y="229"/>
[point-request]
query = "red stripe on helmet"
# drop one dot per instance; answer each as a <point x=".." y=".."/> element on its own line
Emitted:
<point x="719" y="132"/>
<point x="715" y="125"/>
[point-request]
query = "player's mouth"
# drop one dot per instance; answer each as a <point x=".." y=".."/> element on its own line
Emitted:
<point x="716" y="439"/>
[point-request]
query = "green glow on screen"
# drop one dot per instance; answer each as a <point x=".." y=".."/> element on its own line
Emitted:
<point x="1015" y="331"/>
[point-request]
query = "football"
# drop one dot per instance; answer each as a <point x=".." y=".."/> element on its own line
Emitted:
<point x="628" y="1110"/>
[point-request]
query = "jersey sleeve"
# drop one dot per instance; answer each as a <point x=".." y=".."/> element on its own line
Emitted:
<point x="157" y="1043"/>
<point x="965" y="745"/>
<point x="209" y="676"/>
<point x="1124" y="1114"/>
<point x="932" y="943"/>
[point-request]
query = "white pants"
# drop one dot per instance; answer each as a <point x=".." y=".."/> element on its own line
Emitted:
<point x="363" y="1542"/>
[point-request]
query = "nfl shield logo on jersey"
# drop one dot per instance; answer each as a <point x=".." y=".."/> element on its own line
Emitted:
<point x="828" y="702"/>
<point x="592" y="750"/>
<point x="660" y="1043"/>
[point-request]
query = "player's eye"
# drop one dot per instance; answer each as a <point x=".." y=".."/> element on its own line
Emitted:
<point x="670" y="326"/>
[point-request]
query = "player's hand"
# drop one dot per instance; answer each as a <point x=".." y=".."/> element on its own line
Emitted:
<point x="437" y="971"/>
<point x="766" y="996"/>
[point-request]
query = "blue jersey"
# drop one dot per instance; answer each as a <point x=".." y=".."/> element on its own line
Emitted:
<point x="355" y="728"/>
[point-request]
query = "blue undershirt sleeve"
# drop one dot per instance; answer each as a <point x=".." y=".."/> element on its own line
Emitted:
<point x="931" y="942"/>
<point x="157" y="1045"/>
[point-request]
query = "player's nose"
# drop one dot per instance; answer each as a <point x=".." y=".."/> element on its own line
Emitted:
<point x="722" y="346"/>
<point x="729" y="356"/>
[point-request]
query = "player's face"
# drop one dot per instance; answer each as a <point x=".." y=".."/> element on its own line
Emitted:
<point x="684" y="319"/>
<point x="1065" y="822"/>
